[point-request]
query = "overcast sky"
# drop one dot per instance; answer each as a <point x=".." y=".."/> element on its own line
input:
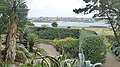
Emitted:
<point x="54" y="8"/>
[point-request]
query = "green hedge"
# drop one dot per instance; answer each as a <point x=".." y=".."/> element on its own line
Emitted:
<point x="55" y="33"/>
<point x="70" y="46"/>
<point x="94" y="48"/>
<point x="58" y="33"/>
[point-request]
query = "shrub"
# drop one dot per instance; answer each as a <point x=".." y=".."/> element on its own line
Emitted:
<point x="22" y="34"/>
<point x="70" y="46"/>
<point x="54" y="24"/>
<point x="94" y="48"/>
<point x="31" y="38"/>
<point x="55" y="33"/>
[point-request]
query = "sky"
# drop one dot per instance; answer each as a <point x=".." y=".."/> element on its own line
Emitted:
<point x="55" y="8"/>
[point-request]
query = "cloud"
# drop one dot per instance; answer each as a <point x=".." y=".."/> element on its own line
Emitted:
<point x="54" y="7"/>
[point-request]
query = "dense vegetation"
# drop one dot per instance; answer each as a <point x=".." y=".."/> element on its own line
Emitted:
<point x="20" y="43"/>
<point x="69" y="45"/>
<point x="114" y="46"/>
<point x="92" y="45"/>
<point x="54" y="24"/>
<point x="94" y="48"/>
<point x="107" y="9"/>
<point x="55" y="33"/>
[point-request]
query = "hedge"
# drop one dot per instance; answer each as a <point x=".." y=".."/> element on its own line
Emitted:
<point x="58" y="33"/>
<point x="94" y="48"/>
<point x="55" y="33"/>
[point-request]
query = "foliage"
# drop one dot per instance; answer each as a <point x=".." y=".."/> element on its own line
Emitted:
<point x="83" y="34"/>
<point x="4" y="64"/>
<point x="31" y="38"/>
<point x="3" y="25"/>
<point x="111" y="38"/>
<point x="22" y="48"/>
<point x="55" y="33"/>
<point x="54" y="24"/>
<point x="11" y="12"/>
<point x="87" y="33"/>
<point x="70" y="46"/>
<point x="102" y="7"/>
<point x="115" y="48"/>
<point x="48" y="61"/>
<point x="107" y="9"/>
<point x="94" y="48"/>
<point x="40" y="50"/>
<point x="29" y="23"/>
<point x="20" y="56"/>
<point x="5" y="10"/>
<point x="22" y="36"/>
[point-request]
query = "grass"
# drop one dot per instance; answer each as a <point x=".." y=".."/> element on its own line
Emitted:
<point x="98" y="30"/>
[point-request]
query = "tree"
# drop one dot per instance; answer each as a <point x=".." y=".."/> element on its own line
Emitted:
<point x="5" y="10"/>
<point x="54" y="24"/>
<point x="109" y="9"/>
<point x="11" y="36"/>
<point x="15" y="11"/>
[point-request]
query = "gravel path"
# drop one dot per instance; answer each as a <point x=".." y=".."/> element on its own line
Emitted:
<point x="50" y="49"/>
<point x="111" y="60"/>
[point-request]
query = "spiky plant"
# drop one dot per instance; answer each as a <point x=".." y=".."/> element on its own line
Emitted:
<point x="31" y="38"/>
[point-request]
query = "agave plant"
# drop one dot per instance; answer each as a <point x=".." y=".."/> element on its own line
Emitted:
<point x="48" y="61"/>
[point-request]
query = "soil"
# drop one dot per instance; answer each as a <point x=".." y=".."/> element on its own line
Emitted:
<point x="50" y="49"/>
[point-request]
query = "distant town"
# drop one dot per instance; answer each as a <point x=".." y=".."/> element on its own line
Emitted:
<point x="67" y="19"/>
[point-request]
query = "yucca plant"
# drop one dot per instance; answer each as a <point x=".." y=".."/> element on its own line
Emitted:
<point x="118" y="52"/>
<point x="22" y="34"/>
<point x="116" y="49"/>
<point x="32" y="38"/>
<point x="119" y="57"/>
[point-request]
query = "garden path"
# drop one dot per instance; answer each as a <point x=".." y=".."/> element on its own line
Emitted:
<point x="111" y="60"/>
<point x="50" y="49"/>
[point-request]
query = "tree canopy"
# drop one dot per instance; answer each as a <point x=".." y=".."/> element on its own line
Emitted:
<point x="5" y="11"/>
<point x="103" y="6"/>
<point x="109" y="9"/>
